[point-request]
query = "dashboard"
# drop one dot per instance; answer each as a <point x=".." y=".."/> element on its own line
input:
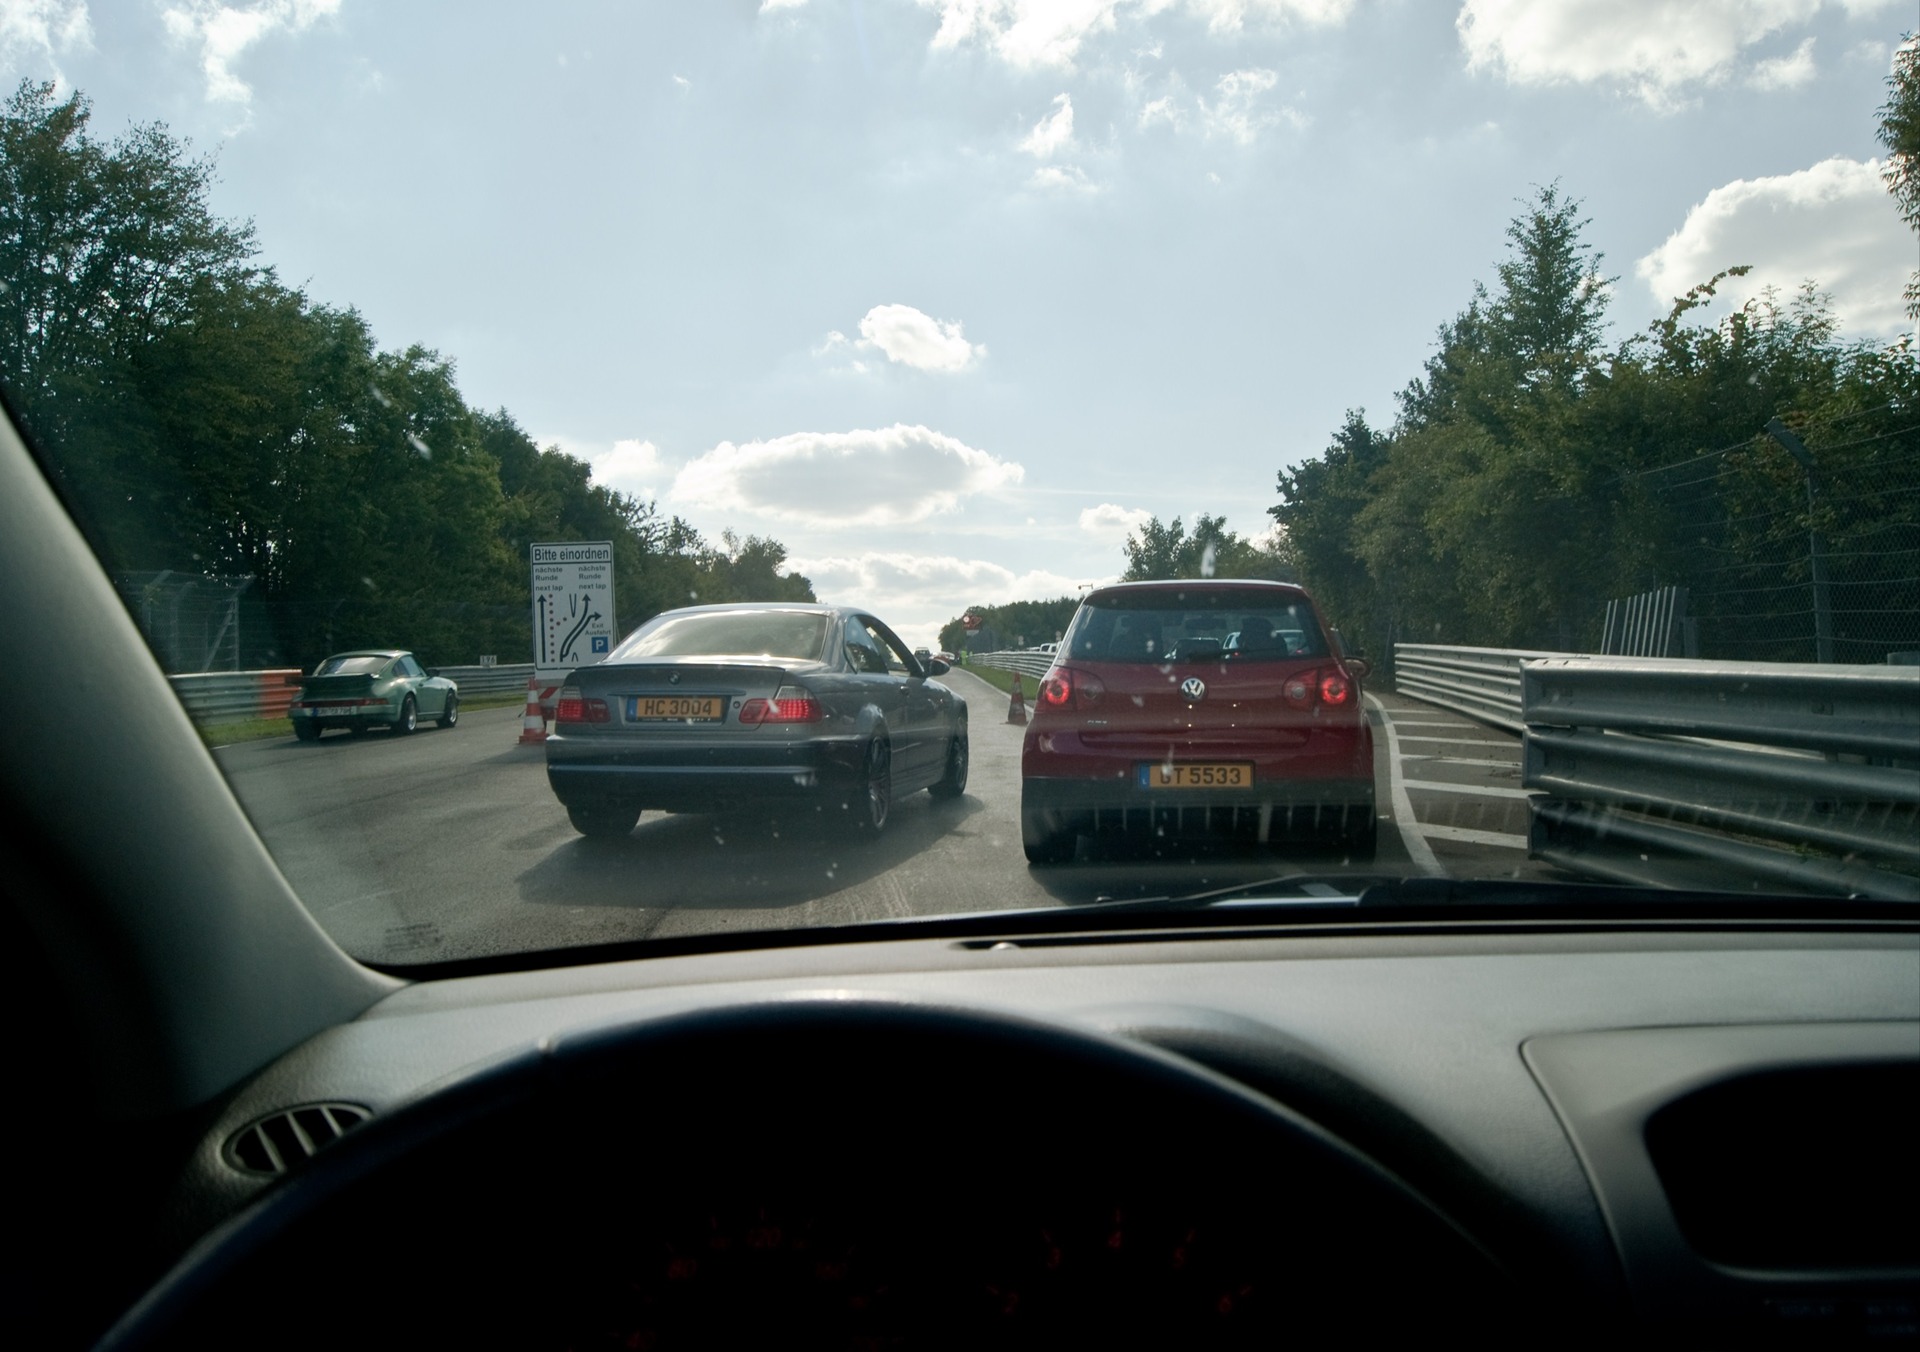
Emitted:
<point x="1309" y="1135"/>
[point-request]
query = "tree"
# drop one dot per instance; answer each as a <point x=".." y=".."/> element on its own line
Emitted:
<point x="1320" y="502"/>
<point x="204" y="418"/>
<point x="1157" y="551"/>
<point x="1900" y="134"/>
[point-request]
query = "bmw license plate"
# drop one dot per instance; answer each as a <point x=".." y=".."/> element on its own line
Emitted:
<point x="675" y="708"/>
<point x="1197" y="775"/>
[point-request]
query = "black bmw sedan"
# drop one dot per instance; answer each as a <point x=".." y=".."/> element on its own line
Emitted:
<point x="712" y="708"/>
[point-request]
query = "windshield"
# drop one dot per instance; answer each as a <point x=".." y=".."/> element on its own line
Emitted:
<point x="1516" y="400"/>
<point x="791" y="634"/>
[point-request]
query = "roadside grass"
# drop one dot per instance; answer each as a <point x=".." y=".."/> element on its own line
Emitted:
<point x="1003" y="680"/>
<point x="258" y="729"/>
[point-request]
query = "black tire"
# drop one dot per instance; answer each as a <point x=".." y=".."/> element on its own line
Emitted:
<point x="953" y="782"/>
<point x="1043" y="842"/>
<point x="409" y="718"/>
<point x="451" y="714"/>
<point x="602" y="821"/>
<point x="872" y="800"/>
<point x="306" y="729"/>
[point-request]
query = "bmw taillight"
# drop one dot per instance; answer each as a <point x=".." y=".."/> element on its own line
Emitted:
<point x="790" y="704"/>
<point x="570" y="707"/>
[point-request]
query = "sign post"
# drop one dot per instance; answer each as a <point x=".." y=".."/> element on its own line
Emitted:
<point x="573" y="616"/>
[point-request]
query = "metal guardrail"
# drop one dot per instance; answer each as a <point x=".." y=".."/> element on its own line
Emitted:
<point x="1673" y="772"/>
<point x="489" y="680"/>
<point x="235" y="696"/>
<point x="1806" y="777"/>
<point x="1482" y="683"/>
<point x="1031" y="664"/>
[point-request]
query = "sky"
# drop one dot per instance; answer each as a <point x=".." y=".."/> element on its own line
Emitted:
<point x="950" y="295"/>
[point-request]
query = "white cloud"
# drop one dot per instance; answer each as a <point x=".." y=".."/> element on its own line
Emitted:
<point x="1052" y="133"/>
<point x="224" y="32"/>
<point x="1063" y="178"/>
<point x="916" y="594"/>
<point x="1028" y="34"/>
<point x="632" y="466"/>
<point x="769" y="6"/>
<point x="886" y="476"/>
<point x="915" y="339"/>
<point x="1833" y="223"/>
<point x="34" y="33"/>
<point x="1785" y="72"/>
<point x="1655" y="47"/>
<point x="1114" y="521"/>
<point x="1235" y="112"/>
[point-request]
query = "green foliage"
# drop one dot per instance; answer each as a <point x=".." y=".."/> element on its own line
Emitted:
<point x="1018" y="624"/>
<point x="1900" y="134"/>
<point x="203" y="418"/>
<point x="1533" y="475"/>
<point x="1158" y="551"/>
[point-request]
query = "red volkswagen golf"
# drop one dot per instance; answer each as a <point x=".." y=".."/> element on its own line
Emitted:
<point x="1176" y="709"/>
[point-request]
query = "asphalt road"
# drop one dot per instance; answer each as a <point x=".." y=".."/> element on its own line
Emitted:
<point x="448" y="843"/>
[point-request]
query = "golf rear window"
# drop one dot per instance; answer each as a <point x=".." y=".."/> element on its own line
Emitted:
<point x="795" y="635"/>
<point x="1196" y="626"/>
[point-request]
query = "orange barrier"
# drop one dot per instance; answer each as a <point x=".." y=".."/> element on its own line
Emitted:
<point x="1017" y="707"/>
<point x="278" y="688"/>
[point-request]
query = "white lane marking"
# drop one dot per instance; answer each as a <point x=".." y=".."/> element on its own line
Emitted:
<point x="1434" y="723"/>
<point x="1418" y="850"/>
<point x="1435" y="786"/>
<point x="1468" y="836"/>
<point x="1459" y="741"/>
<point x="1464" y="760"/>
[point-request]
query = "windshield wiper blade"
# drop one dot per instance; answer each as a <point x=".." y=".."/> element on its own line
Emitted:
<point x="1287" y="889"/>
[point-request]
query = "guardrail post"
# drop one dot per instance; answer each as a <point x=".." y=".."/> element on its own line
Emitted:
<point x="1816" y="563"/>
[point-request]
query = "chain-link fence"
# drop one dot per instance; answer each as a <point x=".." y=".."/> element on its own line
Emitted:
<point x="194" y="622"/>
<point x="1808" y="554"/>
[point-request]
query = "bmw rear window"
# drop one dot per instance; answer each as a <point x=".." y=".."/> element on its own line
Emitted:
<point x="1194" y="626"/>
<point x="793" y="635"/>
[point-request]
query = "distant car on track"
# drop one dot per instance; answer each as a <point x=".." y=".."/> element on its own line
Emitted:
<point x="708" y="708"/>
<point x="372" y="688"/>
<point x="1180" y="709"/>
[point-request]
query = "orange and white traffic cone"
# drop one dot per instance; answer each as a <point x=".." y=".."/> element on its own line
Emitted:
<point x="1017" y="708"/>
<point x="533" y="725"/>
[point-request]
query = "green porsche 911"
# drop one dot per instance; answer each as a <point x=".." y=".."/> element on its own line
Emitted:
<point x="375" y="687"/>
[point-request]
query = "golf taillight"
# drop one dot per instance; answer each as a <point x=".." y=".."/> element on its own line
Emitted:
<point x="1327" y="686"/>
<point x="1065" y="688"/>
<point x="570" y="707"/>
<point x="790" y="704"/>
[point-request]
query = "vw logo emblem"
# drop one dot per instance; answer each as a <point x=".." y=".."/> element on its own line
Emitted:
<point x="1194" y="688"/>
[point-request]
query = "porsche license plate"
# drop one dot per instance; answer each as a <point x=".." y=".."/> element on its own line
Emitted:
<point x="1197" y="775"/>
<point x="676" y="708"/>
<point x="334" y="711"/>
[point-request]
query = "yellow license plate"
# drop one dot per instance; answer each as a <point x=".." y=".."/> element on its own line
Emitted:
<point x="701" y="708"/>
<point x="1198" y="775"/>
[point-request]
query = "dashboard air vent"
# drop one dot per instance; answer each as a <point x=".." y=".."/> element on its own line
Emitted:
<point x="275" y="1144"/>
